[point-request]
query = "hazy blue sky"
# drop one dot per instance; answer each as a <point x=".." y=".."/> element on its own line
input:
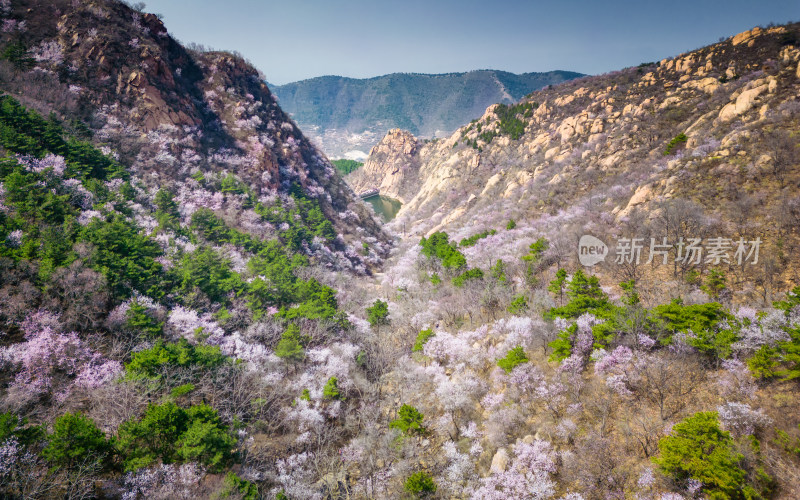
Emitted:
<point x="292" y="40"/>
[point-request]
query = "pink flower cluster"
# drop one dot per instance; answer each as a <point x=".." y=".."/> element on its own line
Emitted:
<point x="614" y="366"/>
<point x="79" y="195"/>
<point x="756" y="332"/>
<point x="47" y="353"/>
<point x="255" y="355"/>
<point x="10" y="25"/>
<point x="97" y="372"/>
<point x="14" y="238"/>
<point x="740" y="419"/>
<point x="296" y="476"/>
<point x="336" y="360"/>
<point x="163" y="481"/>
<point x="192" y="326"/>
<point x="48" y="52"/>
<point x="528" y="475"/>
<point x="9" y="452"/>
<point x="51" y="161"/>
<point x="190" y="200"/>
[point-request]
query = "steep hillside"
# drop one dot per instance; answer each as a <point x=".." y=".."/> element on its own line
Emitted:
<point x="194" y="305"/>
<point x="347" y="114"/>
<point x="715" y="127"/>
<point x="391" y="168"/>
<point x="522" y="368"/>
<point x="170" y="250"/>
<point x="169" y="113"/>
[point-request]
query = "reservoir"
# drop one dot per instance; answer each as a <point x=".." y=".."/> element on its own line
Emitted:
<point x="384" y="206"/>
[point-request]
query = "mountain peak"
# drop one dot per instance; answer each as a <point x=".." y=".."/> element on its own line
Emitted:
<point x="171" y="114"/>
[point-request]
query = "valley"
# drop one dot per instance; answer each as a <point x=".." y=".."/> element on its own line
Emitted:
<point x="587" y="291"/>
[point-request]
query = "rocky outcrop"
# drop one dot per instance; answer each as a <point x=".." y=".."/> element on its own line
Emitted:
<point x="604" y="141"/>
<point x="749" y="37"/>
<point x="172" y="114"/>
<point x="743" y="103"/>
<point x="391" y="168"/>
<point x="149" y="68"/>
<point x="499" y="461"/>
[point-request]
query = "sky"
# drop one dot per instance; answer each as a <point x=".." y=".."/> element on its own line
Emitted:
<point x="291" y="40"/>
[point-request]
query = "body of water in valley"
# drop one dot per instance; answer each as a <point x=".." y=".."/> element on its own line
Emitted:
<point x="384" y="206"/>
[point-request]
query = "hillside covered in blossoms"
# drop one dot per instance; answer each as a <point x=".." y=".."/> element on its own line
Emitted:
<point x="194" y="304"/>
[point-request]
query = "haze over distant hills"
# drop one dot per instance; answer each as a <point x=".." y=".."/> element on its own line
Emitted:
<point x="347" y="115"/>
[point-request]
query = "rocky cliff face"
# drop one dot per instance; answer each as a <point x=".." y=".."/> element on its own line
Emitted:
<point x="172" y="114"/>
<point x="391" y="168"/>
<point x="597" y="128"/>
<point x="715" y="127"/>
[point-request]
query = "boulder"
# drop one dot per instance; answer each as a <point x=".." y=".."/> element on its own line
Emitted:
<point x="746" y="36"/>
<point x="551" y="153"/>
<point x="642" y="195"/>
<point x="743" y="103"/>
<point x="499" y="461"/>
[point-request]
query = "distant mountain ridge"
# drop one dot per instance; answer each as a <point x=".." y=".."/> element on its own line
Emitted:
<point x="346" y="114"/>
